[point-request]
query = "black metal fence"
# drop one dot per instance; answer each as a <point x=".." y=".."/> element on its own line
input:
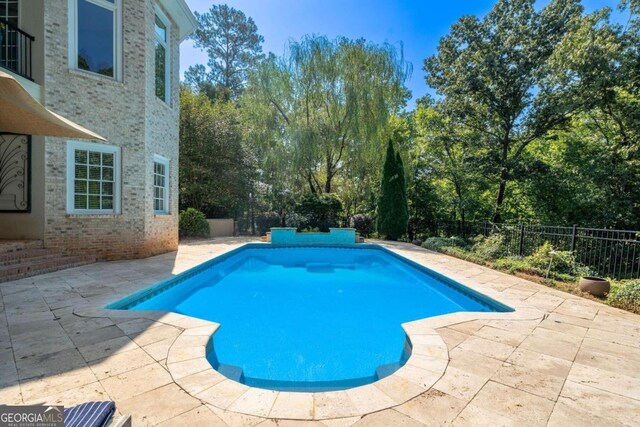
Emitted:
<point x="608" y="253"/>
<point x="15" y="49"/>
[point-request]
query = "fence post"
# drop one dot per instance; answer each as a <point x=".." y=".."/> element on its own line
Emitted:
<point x="484" y="228"/>
<point x="574" y="237"/>
<point x="521" y="241"/>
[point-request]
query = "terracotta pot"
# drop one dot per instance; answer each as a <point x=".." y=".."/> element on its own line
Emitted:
<point x="596" y="286"/>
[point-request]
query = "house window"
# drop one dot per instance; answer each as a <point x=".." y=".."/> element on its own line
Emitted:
<point x="93" y="178"/>
<point x="160" y="185"/>
<point x="162" y="56"/>
<point x="94" y="28"/>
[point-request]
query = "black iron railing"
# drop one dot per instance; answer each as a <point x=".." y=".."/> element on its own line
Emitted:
<point x="15" y="49"/>
<point x="607" y="252"/>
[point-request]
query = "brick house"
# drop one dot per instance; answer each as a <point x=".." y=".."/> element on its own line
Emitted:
<point x="111" y="66"/>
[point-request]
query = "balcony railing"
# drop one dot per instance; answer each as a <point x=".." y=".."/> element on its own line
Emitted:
<point x="15" y="49"/>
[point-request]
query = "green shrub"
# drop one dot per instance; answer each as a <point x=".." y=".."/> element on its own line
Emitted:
<point x="320" y="211"/>
<point x="363" y="224"/>
<point x="266" y="220"/>
<point x="626" y="296"/>
<point x="464" y="254"/>
<point x="491" y="247"/>
<point x="520" y="265"/>
<point x="437" y="243"/>
<point x="193" y="223"/>
<point x="545" y="255"/>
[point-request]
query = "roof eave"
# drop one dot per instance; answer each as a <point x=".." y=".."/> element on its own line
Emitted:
<point x="182" y="16"/>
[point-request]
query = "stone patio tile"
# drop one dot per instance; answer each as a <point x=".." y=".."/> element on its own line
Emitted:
<point x="8" y="371"/>
<point x="600" y="403"/>
<point x="545" y="364"/>
<point x="188" y="367"/>
<point x="521" y="407"/>
<point x="474" y="416"/>
<point x="132" y="383"/>
<point x="474" y="363"/>
<point x="93" y="336"/>
<point x="54" y="384"/>
<point x="223" y="394"/>
<point x="180" y="354"/>
<point x="469" y="328"/>
<point x="552" y="343"/>
<point x="255" y="401"/>
<point x="78" y="325"/>
<point x="50" y="364"/>
<point x="234" y="419"/>
<point x="292" y="405"/>
<point x="612" y="337"/>
<point x="500" y="335"/>
<point x="451" y="337"/>
<point x="433" y="408"/>
<point x="194" y="384"/>
<point x="290" y="423"/>
<point x="578" y="308"/>
<point x="609" y="362"/>
<point x="159" y="350"/>
<point x="421" y="377"/>
<point x="545" y="301"/>
<point x="341" y="422"/>
<point x="134" y="326"/>
<point x="368" y="398"/>
<point x="623" y="351"/>
<point x="573" y="320"/>
<point x="75" y="396"/>
<point x="620" y="322"/>
<point x="335" y="404"/>
<point x="398" y="388"/>
<point x="11" y="395"/>
<point x="564" y="415"/>
<point x="32" y="325"/>
<point x="120" y="363"/>
<point x="564" y="327"/>
<point x="387" y="418"/>
<point x="153" y="335"/>
<point x="197" y="417"/>
<point x="107" y="348"/>
<point x="40" y="344"/>
<point x="155" y="406"/>
<point x="528" y="379"/>
<point x="460" y="384"/>
<point x="487" y="348"/>
<point x="617" y="383"/>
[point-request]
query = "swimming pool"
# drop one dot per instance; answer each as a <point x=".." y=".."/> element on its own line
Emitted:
<point x="309" y="318"/>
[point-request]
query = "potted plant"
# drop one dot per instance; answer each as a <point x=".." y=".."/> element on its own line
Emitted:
<point x="596" y="286"/>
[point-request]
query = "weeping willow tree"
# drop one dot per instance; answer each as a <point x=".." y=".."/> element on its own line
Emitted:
<point x="323" y="107"/>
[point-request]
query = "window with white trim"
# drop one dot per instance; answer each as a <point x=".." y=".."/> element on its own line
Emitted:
<point x="93" y="178"/>
<point x="160" y="185"/>
<point x="163" y="84"/>
<point x="95" y="33"/>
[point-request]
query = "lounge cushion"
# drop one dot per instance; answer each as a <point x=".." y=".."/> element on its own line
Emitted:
<point x="89" y="414"/>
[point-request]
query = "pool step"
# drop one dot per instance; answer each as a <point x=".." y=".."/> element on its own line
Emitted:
<point x="232" y="372"/>
<point x="23" y="263"/>
<point x="388" y="369"/>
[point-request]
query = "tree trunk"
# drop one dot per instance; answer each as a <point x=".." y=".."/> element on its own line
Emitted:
<point x="497" y="216"/>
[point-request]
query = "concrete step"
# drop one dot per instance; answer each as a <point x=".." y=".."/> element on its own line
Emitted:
<point x="8" y="246"/>
<point x="28" y="267"/>
<point x="8" y="258"/>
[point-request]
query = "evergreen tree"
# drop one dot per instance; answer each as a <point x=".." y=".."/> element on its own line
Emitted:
<point x="403" y="207"/>
<point x="392" y="204"/>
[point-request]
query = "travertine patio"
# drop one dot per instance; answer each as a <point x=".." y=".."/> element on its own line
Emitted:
<point x="559" y="360"/>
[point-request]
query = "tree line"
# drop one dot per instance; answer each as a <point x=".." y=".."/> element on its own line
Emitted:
<point x="536" y="117"/>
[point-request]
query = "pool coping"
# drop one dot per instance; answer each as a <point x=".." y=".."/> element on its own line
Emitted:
<point x="188" y="365"/>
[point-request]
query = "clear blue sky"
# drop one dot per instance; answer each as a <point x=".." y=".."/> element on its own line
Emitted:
<point x="417" y="24"/>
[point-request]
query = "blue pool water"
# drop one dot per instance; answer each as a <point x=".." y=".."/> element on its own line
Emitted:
<point x="310" y="319"/>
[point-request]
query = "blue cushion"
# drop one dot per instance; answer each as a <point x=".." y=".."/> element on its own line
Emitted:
<point x="90" y="414"/>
